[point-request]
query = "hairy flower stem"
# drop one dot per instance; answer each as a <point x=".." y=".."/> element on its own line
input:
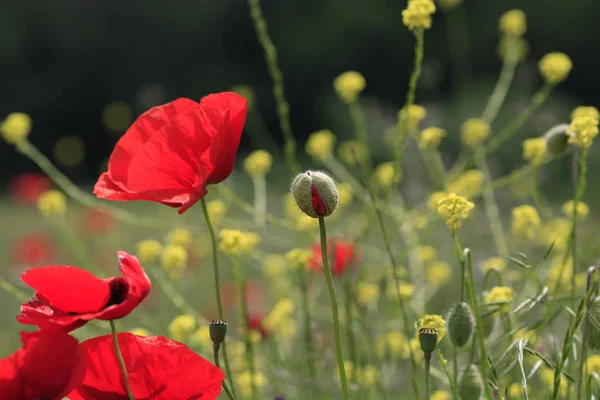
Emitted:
<point x="218" y="364"/>
<point x="213" y="238"/>
<point x="584" y="337"/>
<point x="334" y="308"/>
<point x="444" y="365"/>
<point x="113" y="330"/>
<point x="427" y="376"/>
<point x="283" y="108"/>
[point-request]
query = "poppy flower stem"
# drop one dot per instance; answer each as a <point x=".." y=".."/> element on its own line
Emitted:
<point x="113" y="329"/>
<point x="334" y="308"/>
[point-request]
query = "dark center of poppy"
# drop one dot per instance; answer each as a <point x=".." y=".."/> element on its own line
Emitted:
<point x="118" y="291"/>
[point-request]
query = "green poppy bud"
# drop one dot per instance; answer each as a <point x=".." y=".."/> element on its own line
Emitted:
<point x="315" y="193"/>
<point x="593" y="333"/>
<point x="557" y="140"/>
<point x="461" y="324"/>
<point x="428" y="339"/>
<point x="470" y="383"/>
<point x="218" y="331"/>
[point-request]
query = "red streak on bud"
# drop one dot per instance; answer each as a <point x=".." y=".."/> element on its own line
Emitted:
<point x="317" y="201"/>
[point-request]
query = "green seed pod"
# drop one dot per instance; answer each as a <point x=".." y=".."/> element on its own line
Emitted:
<point x="488" y="323"/>
<point x="315" y="193"/>
<point x="461" y="324"/>
<point x="470" y="383"/>
<point x="218" y="331"/>
<point x="557" y="140"/>
<point x="428" y="339"/>
<point x="593" y="333"/>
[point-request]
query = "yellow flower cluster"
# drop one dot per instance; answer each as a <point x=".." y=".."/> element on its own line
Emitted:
<point x="413" y="117"/>
<point x="593" y="364"/>
<point x="497" y="263"/>
<point x="181" y="327"/>
<point x="298" y="258"/>
<point x="500" y="294"/>
<point x="148" y="251"/>
<point x="432" y="321"/>
<point x="237" y="243"/>
<point x="365" y="375"/>
<point x="392" y="343"/>
<point x="280" y="319"/>
<point x="349" y="151"/>
<point x="179" y="236"/>
<point x="15" y="128"/>
<point x="384" y="175"/>
<point x="417" y="14"/>
<point x="474" y="131"/>
<point x="513" y="23"/>
<point x="584" y="130"/>
<point x="582" y="209"/>
<point x="562" y="276"/>
<point x="174" y="260"/>
<point x="258" y="163"/>
<point x="367" y="294"/>
<point x="526" y="221"/>
<point x="427" y="253"/>
<point x="438" y="273"/>
<point x="555" y="67"/>
<point x="534" y="150"/>
<point x="246" y="379"/>
<point x="52" y="203"/>
<point x="585" y="111"/>
<point x="320" y="144"/>
<point x="554" y="232"/>
<point x="405" y="289"/>
<point x="431" y="137"/>
<point x="454" y="208"/>
<point x="434" y="200"/>
<point x="349" y="85"/>
<point x="275" y="266"/>
<point x="201" y="337"/>
<point x="468" y="184"/>
<point x="217" y="210"/>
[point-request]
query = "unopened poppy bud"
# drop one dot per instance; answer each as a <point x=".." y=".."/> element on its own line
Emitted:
<point x="557" y="140"/>
<point x="461" y="324"/>
<point x="470" y="383"/>
<point x="315" y="193"/>
<point x="428" y="339"/>
<point x="593" y="333"/>
<point x="218" y="331"/>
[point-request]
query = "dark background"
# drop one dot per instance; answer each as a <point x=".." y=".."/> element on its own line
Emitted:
<point x="63" y="61"/>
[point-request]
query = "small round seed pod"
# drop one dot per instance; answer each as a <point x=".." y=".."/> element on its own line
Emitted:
<point x="593" y="333"/>
<point x="315" y="193"/>
<point x="461" y="324"/>
<point x="428" y="339"/>
<point x="470" y="383"/>
<point x="557" y="140"/>
<point x="217" y="330"/>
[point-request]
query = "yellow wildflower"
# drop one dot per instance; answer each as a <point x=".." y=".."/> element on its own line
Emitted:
<point x="245" y="380"/>
<point x="148" y="251"/>
<point x="217" y="210"/>
<point x="201" y="337"/>
<point x="236" y="243"/>
<point x="345" y="195"/>
<point x="454" y="208"/>
<point x="179" y="236"/>
<point x="439" y="273"/>
<point x="534" y="150"/>
<point x="427" y="253"/>
<point x="526" y="221"/>
<point x="298" y="258"/>
<point x="474" y="131"/>
<point x="417" y="14"/>
<point x="246" y="92"/>
<point x="52" y="203"/>
<point x="431" y="137"/>
<point x="593" y="364"/>
<point x="585" y="111"/>
<point x="526" y="334"/>
<point x="181" y="327"/>
<point x="434" y="200"/>
<point x="500" y="294"/>
<point x="173" y="260"/>
<point x="384" y="175"/>
<point x="349" y="151"/>
<point x="392" y="343"/>
<point x="515" y="391"/>
<point x="468" y="184"/>
<point x="582" y="209"/>
<point x="497" y="263"/>
<point x="279" y="315"/>
<point x="320" y="144"/>
<point x="432" y="321"/>
<point x="275" y="266"/>
<point x="15" y="128"/>
<point x="555" y="67"/>
<point x="369" y="374"/>
<point x="405" y="289"/>
<point x="367" y="294"/>
<point x="513" y="23"/>
<point x="140" y="332"/>
<point x="584" y="130"/>
<point x="258" y="163"/>
<point x="349" y="85"/>
<point x="413" y="117"/>
<point x="556" y="231"/>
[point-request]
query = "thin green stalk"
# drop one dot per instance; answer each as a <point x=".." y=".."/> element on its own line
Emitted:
<point x="444" y="366"/>
<point x="427" y="376"/>
<point x="13" y="290"/>
<point x="454" y="379"/>
<point x="308" y="338"/>
<point x="334" y="308"/>
<point x="113" y="330"/>
<point x="584" y="338"/>
<point x="348" y="313"/>
<point x="260" y="200"/>
<point x="507" y="74"/>
<point x="535" y="192"/>
<point x="283" y="108"/>
<point x="217" y="363"/>
<point x="213" y="238"/>
<point x="361" y="130"/>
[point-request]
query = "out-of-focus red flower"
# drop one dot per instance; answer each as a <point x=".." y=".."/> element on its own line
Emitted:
<point x="48" y="366"/>
<point x="97" y="222"/>
<point x="229" y="292"/>
<point x="27" y="188"/>
<point x="157" y="368"/>
<point x="32" y="250"/>
<point x="172" y="152"/>
<point x="255" y="324"/>
<point x="68" y="297"/>
<point x="342" y="256"/>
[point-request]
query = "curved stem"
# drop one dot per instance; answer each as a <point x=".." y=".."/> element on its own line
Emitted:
<point x="225" y="387"/>
<point x="334" y="308"/>
<point x="115" y="337"/>
<point x="498" y="96"/>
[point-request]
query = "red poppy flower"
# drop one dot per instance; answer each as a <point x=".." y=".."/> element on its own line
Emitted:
<point x="341" y="256"/>
<point x="27" y="188"/>
<point x="255" y="324"/>
<point x="32" y="250"/>
<point x="172" y="152"/>
<point x="49" y="366"/>
<point x="68" y="297"/>
<point x="157" y="369"/>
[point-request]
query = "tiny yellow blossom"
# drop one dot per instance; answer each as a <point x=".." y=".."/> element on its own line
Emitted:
<point x="500" y="294"/>
<point x="434" y="200"/>
<point x="392" y="343"/>
<point x="417" y="14"/>
<point x="349" y="369"/>
<point x="255" y="336"/>
<point x="448" y="5"/>
<point x="367" y="294"/>
<point x="52" y="203"/>
<point x="258" y="163"/>
<point x="275" y="266"/>
<point x="584" y="130"/>
<point x="217" y="210"/>
<point x="384" y="175"/>
<point x="593" y="364"/>
<point x="427" y="253"/>
<point x="513" y="23"/>
<point x="514" y="47"/>
<point x="345" y="195"/>
<point x="349" y="151"/>
<point x="438" y="273"/>
<point x="515" y="391"/>
<point x="173" y="260"/>
<point x="468" y="184"/>
<point x="298" y="258"/>
<point x="525" y="334"/>
<point x="369" y="374"/>
<point x="15" y="128"/>
<point x="140" y="332"/>
<point x="349" y="85"/>
<point x="405" y="289"/>
<point x="455" y="208"/>
<point x="413" y="118"/>
<point x="279" y="315"/>
<point x="497" y="263"/>
<point x="431" y="137"/>
<point x="245" y="380"/>
<point x="201" y="337"/>
<point x="474" y="132"/>
<point x="148" y="251"/>
<point x="441" y="395"/>
<point x="246" y="92"/>
<point x="236" y="243"/>
<point x="181" y="327"/>
<point x="534" y="150"/>
<point x="432" y="321"/>
<point x="555" y="67"/>
<point x="179" y="236"/>
<point x="526" y="221"/>
<point x="582" y="209"/>
<point x="585" y="111"/>
<point x="320" y="144"/>
<point x="554" y="232"/>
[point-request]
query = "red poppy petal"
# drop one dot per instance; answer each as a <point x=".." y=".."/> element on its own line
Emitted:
<point x="106" y="188"/>
<point x="70" y="289"/>
<point x="144" y="127"/>
<point x="10" y="385"/>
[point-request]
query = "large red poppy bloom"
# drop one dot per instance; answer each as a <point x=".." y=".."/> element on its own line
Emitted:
<point x="68" y="297"/>
<point x="27" y="188"/>
<point x="157" y="369"/>
<point x="48" y="366"/>
<point x="172" y="152"/>
<point x="342" y="255"/>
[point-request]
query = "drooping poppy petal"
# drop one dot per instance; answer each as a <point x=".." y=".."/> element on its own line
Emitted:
<point x="49" y="366"/>
<point x="157" y="368"/>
